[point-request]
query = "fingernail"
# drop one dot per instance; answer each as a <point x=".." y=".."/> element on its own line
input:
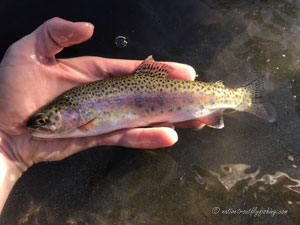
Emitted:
<point x="89" y="25"/>
<point x="192" y="71"/>
<point x="173" y="135"/>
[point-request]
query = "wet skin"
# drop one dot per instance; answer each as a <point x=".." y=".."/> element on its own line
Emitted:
<point x="31" y="76"/>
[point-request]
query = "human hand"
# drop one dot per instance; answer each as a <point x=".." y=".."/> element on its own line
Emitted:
<point x="31" y="76"/>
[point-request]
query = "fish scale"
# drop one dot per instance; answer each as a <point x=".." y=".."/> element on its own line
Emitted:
<point x="141" y="99"/>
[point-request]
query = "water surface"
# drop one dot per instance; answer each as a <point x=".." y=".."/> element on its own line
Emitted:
<point x="210" y="176"/>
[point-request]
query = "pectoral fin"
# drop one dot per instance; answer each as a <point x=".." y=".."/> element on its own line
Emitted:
<point x="151" y="68"/>
<point x="86" y="127"/>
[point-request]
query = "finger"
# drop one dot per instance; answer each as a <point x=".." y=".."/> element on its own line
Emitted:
<point x="97" y="67"/>
<point x="55" y="34"/>
<point x="148" y="138"/>
<point x="145" y="138"/>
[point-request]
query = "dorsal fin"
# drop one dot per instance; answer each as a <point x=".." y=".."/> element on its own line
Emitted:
<point x="151" y="68"/>
<point x="150" y="58"/>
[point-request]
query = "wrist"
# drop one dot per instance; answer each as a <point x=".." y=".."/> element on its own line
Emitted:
<point x="9" y="174"/>
<point x="10" y="170"/>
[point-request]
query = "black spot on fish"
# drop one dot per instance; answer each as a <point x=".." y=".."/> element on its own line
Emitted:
<point x="152" y="108"/>
<point x="160" y="99"/>
<point x="178" y="108"/>
<point x="56" y="118"/>
<point x="170" y="110"/>
<point x="138" y="102"/>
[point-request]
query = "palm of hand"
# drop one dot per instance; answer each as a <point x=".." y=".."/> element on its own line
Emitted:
<point x="31" y="77"/>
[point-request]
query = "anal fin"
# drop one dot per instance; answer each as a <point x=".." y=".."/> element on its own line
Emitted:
<point x="195" y="124"/>
<point x="214" y="120"/>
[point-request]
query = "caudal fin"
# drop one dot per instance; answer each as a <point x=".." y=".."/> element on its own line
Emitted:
<point x="260" y="105"/>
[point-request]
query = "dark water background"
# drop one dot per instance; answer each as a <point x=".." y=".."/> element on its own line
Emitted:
<point x="249" y="165"/>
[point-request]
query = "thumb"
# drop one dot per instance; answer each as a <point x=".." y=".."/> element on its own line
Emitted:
<point x="51" y="37"/>
<point x="56" y="33"/>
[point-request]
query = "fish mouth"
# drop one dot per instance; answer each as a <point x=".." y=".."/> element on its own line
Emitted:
<point x="40" y="132"/>
<point x="40" y="129"/>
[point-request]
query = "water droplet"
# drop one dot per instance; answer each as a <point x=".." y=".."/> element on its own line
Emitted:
<point x="121" y="41"/>
<point x="268" y="60"/>
<point x="291" y="158"/>
<point x="283" y="55"/>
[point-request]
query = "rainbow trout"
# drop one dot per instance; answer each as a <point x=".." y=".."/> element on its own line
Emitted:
<point x="144" y="98"/>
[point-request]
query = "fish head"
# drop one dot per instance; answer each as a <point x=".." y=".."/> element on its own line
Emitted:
<point x="53" y="122"/>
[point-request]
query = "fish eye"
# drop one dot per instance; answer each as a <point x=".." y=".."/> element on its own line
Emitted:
<point x="42" y="119"/>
